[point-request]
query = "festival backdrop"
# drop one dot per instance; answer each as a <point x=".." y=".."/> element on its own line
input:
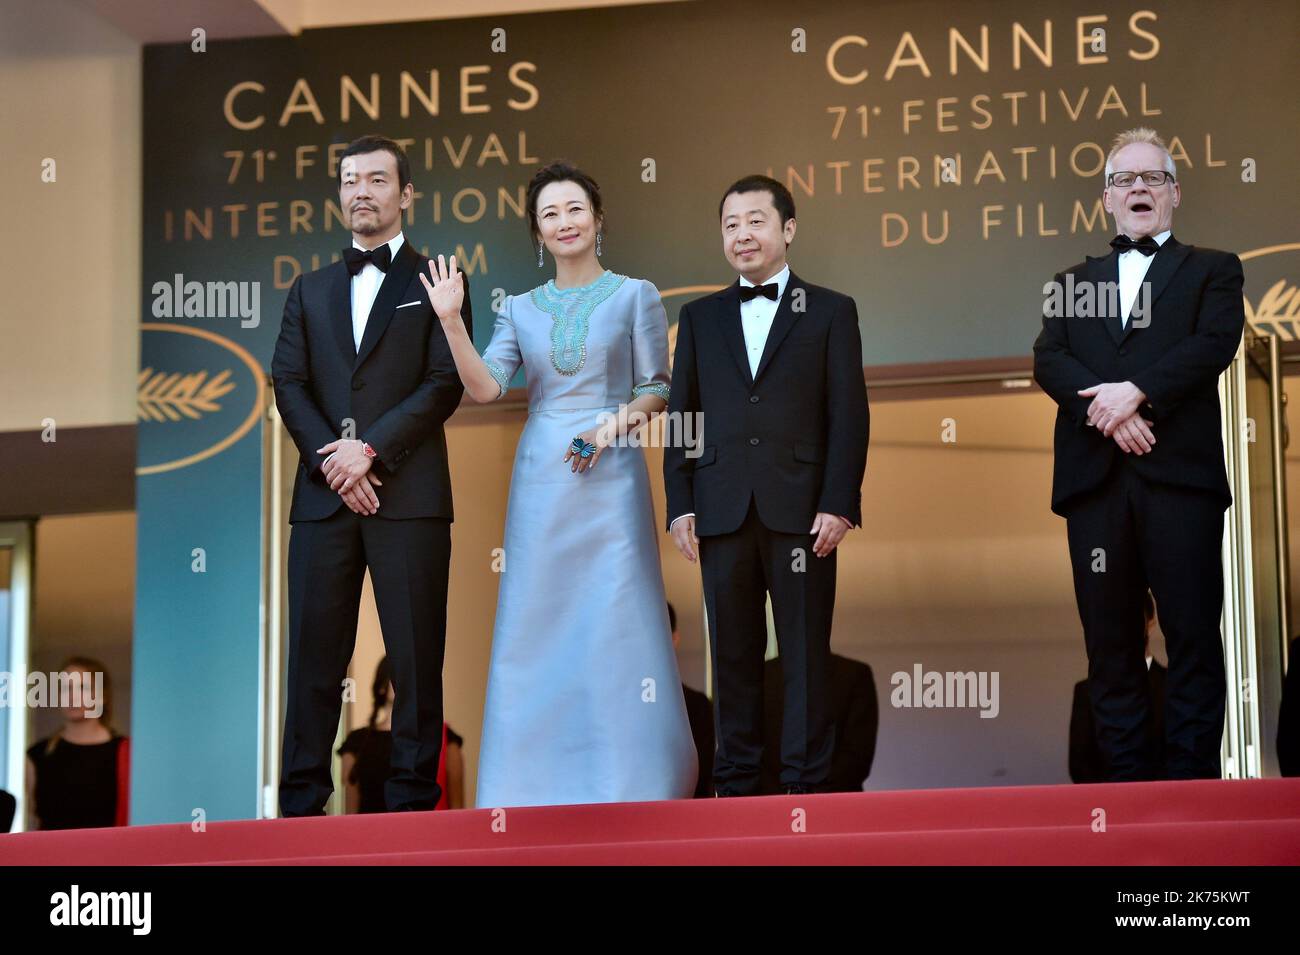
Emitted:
<point x="946" y="159"/>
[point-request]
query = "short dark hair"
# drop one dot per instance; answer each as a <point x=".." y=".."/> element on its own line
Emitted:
<point x="374" y="144"/>
<point x="781" y="198"/>
<point x="561" y="171"/>
<point x="672" y="618"/>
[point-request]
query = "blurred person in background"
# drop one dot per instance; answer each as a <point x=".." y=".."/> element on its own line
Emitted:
<point x="79" y="777"/>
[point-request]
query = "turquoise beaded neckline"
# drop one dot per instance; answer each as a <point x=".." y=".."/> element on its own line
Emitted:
<point x="570" y="310"/>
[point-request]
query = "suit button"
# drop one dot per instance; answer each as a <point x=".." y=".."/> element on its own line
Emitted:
<point x="1123" y="351"/>
<point x="753" y="399"/>
<point x="358" y="385"/>
<point x="753" y="441"/>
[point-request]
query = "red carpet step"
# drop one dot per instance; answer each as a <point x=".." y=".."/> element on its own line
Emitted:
<point x="1203" y="822"/>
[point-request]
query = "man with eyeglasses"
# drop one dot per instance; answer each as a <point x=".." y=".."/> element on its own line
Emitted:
<point x="1139" y="473"/>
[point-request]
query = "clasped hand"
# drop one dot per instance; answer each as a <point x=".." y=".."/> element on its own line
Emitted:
<point x="348" y="472"/>
<point x="1114" y="412"/>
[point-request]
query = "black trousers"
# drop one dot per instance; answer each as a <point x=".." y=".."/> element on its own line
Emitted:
<point x="409" y="562"/>
<point x="1125" y="536"/>
<point x="739" y="570"/>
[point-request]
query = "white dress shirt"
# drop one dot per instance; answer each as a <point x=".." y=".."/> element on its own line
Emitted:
<point x="756" y="317"/>
<point x="365" y="286"/>
<point x="1133" y="267"/>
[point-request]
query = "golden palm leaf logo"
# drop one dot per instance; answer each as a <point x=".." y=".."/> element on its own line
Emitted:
<point x="170" y="397"/>
<point x="1278" y="311"/>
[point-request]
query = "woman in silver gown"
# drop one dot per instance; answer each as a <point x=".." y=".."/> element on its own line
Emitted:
<point x="584" y="702"/>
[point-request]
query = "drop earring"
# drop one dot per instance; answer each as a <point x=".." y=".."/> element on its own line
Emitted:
<point x="540" y="246"/>
<point x="598" y="244"/>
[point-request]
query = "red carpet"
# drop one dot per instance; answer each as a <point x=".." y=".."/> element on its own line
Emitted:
<point x="1214" y="822"/>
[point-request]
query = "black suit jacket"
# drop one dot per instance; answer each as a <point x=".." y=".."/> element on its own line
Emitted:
<point x="398" y="389"/>
<point x="1194" y="329"/>
<point x="854" y="710"/>
<point x="794" y="436"/>
<point x="1087" y="765"/>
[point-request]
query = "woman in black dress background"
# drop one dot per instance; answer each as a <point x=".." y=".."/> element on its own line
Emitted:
<point x="78" y="778"/>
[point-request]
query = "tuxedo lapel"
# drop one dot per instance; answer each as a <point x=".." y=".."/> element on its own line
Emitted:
<point x="396" y="280"/>
<point x="782" y="322"/>
<point x="340" y="306"/>
<point x="1103" y="273"/>
<point x="732" y="330"/>
<point x="1166" y="263"/>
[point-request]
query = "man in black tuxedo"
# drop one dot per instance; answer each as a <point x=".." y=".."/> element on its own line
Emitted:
<point x="1086" y="761"/>
<point x="364" y="380"/>
<point x="773" y="367"/>
<point x="1139" y="473"/>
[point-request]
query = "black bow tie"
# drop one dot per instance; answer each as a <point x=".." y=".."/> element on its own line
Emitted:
<point x="748" y="292"/>
<point x="356" y="259"/>
<point x="1146" y="245"/>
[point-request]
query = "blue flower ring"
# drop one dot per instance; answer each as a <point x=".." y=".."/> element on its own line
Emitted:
<point x="582" y="448"/>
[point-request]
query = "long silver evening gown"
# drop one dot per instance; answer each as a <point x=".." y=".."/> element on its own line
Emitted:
<point x="584" y="702"/>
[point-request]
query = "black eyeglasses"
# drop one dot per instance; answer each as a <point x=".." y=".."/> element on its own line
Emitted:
<point x="1152" y="177"/>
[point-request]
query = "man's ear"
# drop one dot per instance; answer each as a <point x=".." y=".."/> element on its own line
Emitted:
<point x="1105" y="199"/>
<point x="408" y="195"/>
<point x="789" y="231"/>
